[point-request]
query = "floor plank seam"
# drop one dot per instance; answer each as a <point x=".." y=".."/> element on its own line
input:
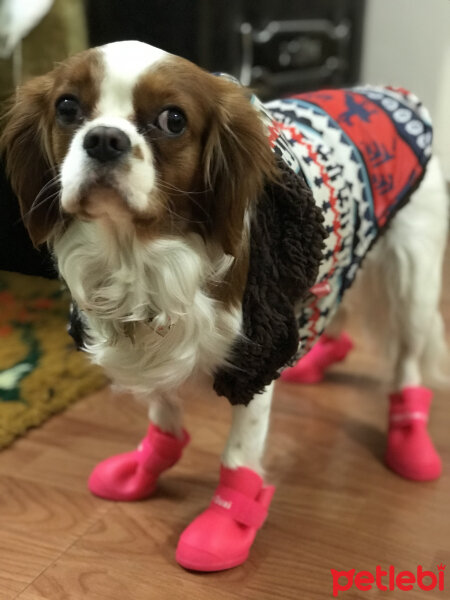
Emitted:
<point x="108" y="508"/>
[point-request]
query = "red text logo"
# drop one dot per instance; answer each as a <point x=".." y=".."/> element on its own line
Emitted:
<point x="389" y="580"/>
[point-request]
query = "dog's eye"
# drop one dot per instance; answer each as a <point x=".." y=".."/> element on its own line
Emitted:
<point x="68" y="110"/>
<point x="172" y="121"/>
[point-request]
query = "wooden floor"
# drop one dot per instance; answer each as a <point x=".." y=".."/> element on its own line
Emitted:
<point x="336" y="505"/>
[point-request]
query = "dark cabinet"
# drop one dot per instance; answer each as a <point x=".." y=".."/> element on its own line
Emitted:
<point x="277" y="46"/>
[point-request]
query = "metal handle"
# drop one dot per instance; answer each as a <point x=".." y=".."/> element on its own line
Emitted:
<point x="249" y="37"/>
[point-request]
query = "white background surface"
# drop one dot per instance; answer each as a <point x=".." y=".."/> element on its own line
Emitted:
<point x="407" y="43"/>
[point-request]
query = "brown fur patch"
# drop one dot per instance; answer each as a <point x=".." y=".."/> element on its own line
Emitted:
<point x="105" y="202"/>
<point x="34" y="144"/>
<point x="137" y="153"/>
<point x="231" y="289"/>
<point x="211" y="175"/>
<point x="79" y="76"/>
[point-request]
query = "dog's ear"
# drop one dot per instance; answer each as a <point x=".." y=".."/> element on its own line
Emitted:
<point x="237" y="160"/>
<point x="25" y="145"/>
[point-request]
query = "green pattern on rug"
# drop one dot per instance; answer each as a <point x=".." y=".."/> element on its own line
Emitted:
<point x="41" y="372"/>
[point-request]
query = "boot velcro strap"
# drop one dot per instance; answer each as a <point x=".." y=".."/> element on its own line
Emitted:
<point x="241" y="508"/>
<point x="410" y="405"/>
<point x="407" y="417"/>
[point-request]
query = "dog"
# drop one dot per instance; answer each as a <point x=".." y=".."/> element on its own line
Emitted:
<point x="204" y="234"/>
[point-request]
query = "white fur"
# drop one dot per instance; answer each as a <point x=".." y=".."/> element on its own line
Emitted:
<point x="412" y="257"/>
<point x="165" y="411"/>
<point x="247" y="438"/>
<point x="124" y="63"/>
<point x="78" y="171"/>
<point x="123" y="283"/>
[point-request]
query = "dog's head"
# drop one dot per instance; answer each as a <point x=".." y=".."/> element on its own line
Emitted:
<point x="137" y="138"/>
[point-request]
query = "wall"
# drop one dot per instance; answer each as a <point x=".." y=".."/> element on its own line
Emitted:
<point x="407" y="43"/>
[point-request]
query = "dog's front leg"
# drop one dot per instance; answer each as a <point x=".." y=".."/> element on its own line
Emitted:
<point x="134" y="475"/>
<point x="221" y="537"/>
<point x="246" y="442"/>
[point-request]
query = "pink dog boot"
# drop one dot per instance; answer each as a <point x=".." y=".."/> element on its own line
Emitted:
<point x="410" y="451"/>
<point x="327" y="351"/>
<point x="221" y="537"/>
<point x="133" y="475"/>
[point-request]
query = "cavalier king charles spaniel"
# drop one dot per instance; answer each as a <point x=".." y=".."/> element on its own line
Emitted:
<point x="204" y="234"/>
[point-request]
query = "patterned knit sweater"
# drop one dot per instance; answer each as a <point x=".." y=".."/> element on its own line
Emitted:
<point x="362" y="152"/>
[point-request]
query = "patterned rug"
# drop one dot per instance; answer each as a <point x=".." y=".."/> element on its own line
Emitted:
<point x="41" y="373"/>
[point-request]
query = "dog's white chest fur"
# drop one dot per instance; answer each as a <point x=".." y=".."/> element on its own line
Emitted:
<point x="127" y="290"/>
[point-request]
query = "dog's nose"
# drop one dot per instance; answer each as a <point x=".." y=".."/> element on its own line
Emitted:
<point x="106" y="143"/>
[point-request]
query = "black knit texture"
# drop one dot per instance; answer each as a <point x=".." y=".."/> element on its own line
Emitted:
<point x="286" y="243"/>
